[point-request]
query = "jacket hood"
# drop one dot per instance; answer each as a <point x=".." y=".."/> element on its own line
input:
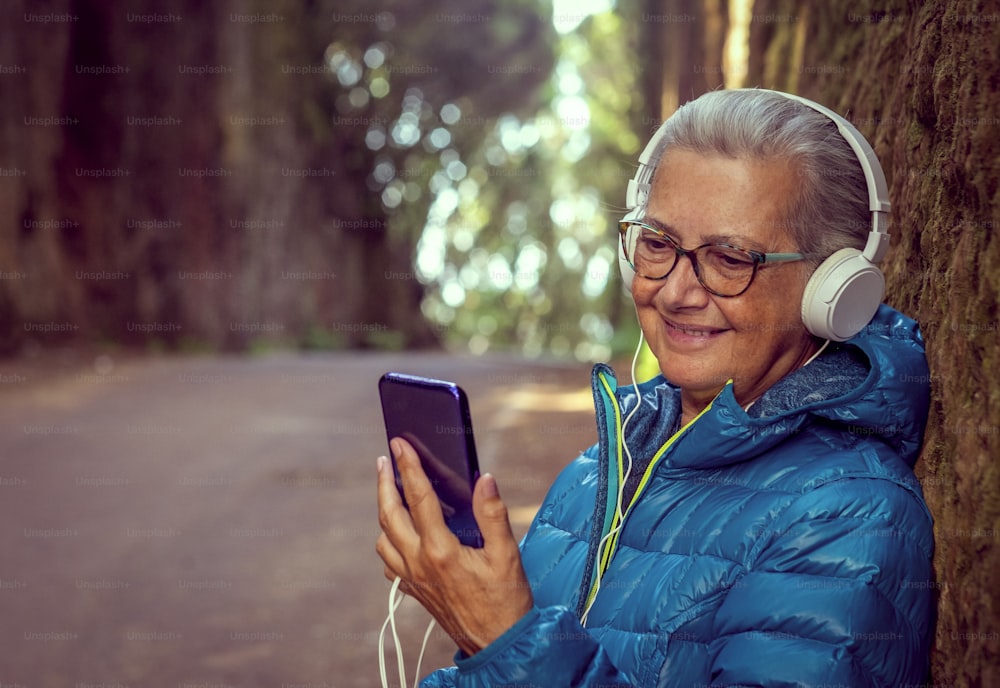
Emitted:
<point x="890" y="402"/>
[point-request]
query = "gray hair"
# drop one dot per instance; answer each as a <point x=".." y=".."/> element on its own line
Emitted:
<point x="831" y="211"/>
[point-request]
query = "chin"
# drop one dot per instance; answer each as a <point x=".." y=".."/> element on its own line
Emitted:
<point x="688" y="377"/>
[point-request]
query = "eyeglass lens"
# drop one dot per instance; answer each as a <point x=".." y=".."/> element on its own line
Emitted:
<point x="722" y="269"/>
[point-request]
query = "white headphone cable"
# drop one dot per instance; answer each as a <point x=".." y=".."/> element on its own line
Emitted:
<point x="390" y="620"/>
<point x="423" y="646"/>
<point x="826" y="343"/>
<point x="812" y="358"/>
<point x="628" y="418"/>
<point x="621" y="485"/>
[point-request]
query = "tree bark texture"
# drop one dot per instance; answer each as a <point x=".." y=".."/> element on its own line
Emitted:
<point x="920" y="80"/>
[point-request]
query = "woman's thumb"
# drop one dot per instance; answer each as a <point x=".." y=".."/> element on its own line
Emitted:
<point x="491" y="512"/>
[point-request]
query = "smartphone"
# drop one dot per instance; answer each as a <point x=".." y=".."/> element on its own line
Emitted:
<point x="433" y="415"/>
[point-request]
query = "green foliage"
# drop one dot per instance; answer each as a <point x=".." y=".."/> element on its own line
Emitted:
<point x="392" y="340"/>
<point x="515" y="209"/>
<point x="319" y="338"/>
<point x="194" y="346"/>
<point x="443" y="171"/>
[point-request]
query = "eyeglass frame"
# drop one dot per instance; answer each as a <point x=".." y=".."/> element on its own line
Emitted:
<point x="759" y="258"/>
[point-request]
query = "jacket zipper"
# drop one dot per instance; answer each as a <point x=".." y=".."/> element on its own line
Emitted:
<point x="606" y="554"/>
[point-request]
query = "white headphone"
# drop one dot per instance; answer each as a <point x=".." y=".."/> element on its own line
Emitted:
<point x="846" y="289"/>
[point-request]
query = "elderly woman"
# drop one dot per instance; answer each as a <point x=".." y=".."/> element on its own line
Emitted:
<point x="750" y="517"/>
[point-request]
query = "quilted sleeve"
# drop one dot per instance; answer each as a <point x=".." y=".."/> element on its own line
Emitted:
<point x="839" y="592"/>
<point x="442" y="678"/>
<point x="547" y="648"/>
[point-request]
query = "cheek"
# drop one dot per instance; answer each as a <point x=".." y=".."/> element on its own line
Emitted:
<point x="778" y="318"/>
<point x="642" y="291"/>
<point x="757" y="315"/>
<point x="643" y="298"/>
<point x="771" y="308"/>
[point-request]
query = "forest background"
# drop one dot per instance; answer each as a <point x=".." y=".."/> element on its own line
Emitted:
<point x="246" y="176"/>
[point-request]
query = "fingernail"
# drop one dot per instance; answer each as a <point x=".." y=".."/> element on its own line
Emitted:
<point x="490" y="485"/>
<point x="380" y="463"/>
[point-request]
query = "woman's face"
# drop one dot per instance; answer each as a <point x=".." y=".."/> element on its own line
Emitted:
<point x="702" y="340"/>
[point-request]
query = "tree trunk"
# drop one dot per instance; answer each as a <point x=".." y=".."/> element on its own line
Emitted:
<point x="920" y="80"/>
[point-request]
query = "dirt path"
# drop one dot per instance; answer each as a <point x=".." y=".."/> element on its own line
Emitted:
<point x="195" y="522"/>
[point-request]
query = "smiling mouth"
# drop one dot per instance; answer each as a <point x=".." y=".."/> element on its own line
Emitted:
<point x="693" y="330"/>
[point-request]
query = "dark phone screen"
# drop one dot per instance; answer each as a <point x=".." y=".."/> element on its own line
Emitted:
<point x="433" y="416"/>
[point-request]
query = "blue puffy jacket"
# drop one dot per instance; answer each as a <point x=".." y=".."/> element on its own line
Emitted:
<point x="787" y="545"/>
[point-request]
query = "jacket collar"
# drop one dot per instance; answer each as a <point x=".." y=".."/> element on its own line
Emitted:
<point x="891" y="403"/>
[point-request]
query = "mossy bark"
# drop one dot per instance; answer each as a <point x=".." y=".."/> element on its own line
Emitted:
<point x="920" y="80"/>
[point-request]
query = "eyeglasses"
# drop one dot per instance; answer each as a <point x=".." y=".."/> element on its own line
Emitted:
<point x="722" y="269"/>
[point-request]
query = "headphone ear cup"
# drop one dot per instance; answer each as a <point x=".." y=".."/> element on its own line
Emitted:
<point x="842" y="295"/>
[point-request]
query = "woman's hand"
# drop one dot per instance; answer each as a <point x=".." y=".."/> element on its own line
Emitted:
<point x="474" y="594"/>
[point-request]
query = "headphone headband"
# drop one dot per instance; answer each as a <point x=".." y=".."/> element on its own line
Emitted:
<point x="844" y="291"/>
<point x="637" y="192"/>
<point x="878" y="190"/>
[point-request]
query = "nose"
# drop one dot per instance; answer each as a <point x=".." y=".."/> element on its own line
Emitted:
<point x="681" y="288"/>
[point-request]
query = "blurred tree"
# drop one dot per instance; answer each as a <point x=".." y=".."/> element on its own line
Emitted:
<point x="425" y="90"/>
<point x="227" y="172"/>
<point x="684" y="39"/>
<point x="521" y="251"/>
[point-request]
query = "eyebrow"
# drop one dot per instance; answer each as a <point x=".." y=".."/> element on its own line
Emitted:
<point x="732" y="239"/>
